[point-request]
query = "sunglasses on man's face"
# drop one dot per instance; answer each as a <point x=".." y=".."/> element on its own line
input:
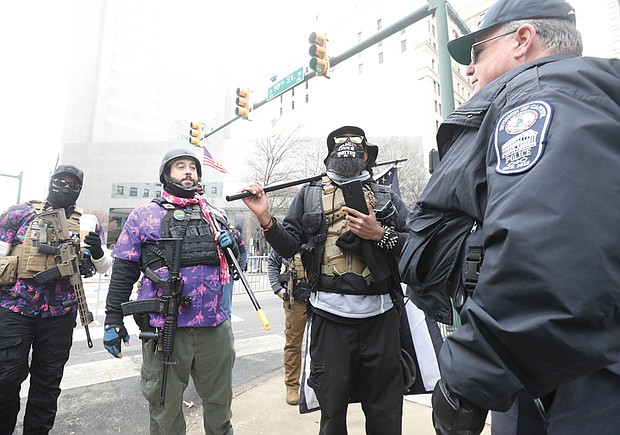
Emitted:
<point x="475" y="51"/>
<point x="358" y="140"/>
<point x="76" y="186"/>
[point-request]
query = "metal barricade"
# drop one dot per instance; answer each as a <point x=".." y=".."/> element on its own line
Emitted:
<point x="256" y="275"/>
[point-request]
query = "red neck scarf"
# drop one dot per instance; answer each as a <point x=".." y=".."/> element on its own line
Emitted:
<point x="204" y="207"/>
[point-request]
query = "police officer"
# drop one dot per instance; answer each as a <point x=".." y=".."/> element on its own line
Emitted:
<point x="350" y="258"/>
<point x="203" y="342"/>
<point x="519" y="208"/>
<point x="292" y="287"/>
<point x="32" y="315"/>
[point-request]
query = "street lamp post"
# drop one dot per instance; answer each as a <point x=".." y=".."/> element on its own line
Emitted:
<point x="19" y="188"/>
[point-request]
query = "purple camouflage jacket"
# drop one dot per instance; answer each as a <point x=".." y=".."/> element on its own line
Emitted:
<point x="26" y="296"/>
<point x="201" y="282"/>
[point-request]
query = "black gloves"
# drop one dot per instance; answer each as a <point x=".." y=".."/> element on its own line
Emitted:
<point x="93" y="243"/>
<point x="453" y="415"/>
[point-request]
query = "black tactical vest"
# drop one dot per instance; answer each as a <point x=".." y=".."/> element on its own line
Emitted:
<point x="198" y="247"/>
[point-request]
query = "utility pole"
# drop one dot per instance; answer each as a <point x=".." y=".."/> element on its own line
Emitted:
<point x="19" y="188"/>
<point x="445" y="64"/>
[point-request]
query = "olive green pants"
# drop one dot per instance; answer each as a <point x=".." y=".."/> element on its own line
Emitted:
<point x="208" y="355"/>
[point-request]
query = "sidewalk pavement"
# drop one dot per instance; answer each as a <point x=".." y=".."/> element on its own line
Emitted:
<point x="261" y="409"/>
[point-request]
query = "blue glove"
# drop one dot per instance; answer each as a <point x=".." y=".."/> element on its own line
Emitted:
<point x="226" y="241"/>
<point x="112" y="339"/>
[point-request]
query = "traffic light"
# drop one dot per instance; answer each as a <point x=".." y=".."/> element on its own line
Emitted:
<point x="195" y="133"/>
<point x="243" y="103"/>
<point x="318" y="50"/>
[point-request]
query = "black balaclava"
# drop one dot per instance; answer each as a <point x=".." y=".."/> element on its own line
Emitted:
<point x="177" y="189"/>
<point x="64" y="197"/>
<point x="181" y="191"/>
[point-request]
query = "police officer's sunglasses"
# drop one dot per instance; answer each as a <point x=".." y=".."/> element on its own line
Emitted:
<point x="357" y="140"/>
<point x="76" y="186"/>
<point x="474" y="52"/>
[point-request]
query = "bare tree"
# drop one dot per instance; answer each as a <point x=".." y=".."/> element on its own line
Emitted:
<point x="273" y="157"/>
<point x="278" y="159"/>
<point x="271" y="163"/>
<point x="311" y="157"/>
<point x="412" y="174"/>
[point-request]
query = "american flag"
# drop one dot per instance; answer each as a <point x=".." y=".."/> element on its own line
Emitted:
<point x="390" y="178"/>
<point x="208" y="160"/>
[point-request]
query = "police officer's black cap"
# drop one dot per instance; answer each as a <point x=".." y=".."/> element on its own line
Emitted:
<point x="372" y="149"/>
<point x="505" y="11"/>
<point x="69" y="169"/>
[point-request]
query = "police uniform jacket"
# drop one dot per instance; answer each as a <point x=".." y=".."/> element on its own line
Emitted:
<point x="532" y="158"/>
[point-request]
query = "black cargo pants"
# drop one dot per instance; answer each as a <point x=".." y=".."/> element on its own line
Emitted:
<point x="358" y="362"/>
<point x="50" y="339"/>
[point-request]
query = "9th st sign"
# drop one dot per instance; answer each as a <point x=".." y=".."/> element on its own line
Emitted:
<point x="286" y="83"/>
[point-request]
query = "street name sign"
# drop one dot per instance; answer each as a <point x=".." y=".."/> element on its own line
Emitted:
<point x="286" y="83"/>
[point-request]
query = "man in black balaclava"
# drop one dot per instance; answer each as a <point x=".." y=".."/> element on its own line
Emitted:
<point x="33" y="312"/>
<point x="65" y="187"/>
<point x="349" y="256"/>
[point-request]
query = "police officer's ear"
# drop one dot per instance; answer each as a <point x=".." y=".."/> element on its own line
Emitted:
<point x="524" y="43"/>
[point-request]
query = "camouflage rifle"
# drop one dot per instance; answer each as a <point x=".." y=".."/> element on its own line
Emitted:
<point x="67" y="262"/>
<point x="292" y="279"/>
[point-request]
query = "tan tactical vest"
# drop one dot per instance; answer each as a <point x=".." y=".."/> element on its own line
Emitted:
<point x="297" y="265"/>
<point x="335" y="260"/>
<point x="30" y="261"/>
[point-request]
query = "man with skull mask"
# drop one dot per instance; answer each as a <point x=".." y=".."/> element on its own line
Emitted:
<point x="32" y="314"/>
<point x="203" y="339"/>
<point x="350" y="259"/>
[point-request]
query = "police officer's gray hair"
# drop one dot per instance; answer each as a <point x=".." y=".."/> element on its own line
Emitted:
<point x="557" y="36"/>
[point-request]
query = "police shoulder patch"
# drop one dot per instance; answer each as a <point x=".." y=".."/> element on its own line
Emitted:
<point x="520" y="137"/>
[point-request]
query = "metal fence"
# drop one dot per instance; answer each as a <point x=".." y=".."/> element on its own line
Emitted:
<point x="256" y="275"/>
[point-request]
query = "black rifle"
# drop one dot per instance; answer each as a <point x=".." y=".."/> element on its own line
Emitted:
<point x="168" y="304"/>
<point x="67" y="263"/>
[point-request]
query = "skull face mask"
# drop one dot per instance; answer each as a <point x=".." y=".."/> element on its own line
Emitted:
<point x="347" y="159"/>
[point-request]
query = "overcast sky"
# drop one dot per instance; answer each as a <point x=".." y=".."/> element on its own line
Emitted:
<point x="36" y="40"/>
